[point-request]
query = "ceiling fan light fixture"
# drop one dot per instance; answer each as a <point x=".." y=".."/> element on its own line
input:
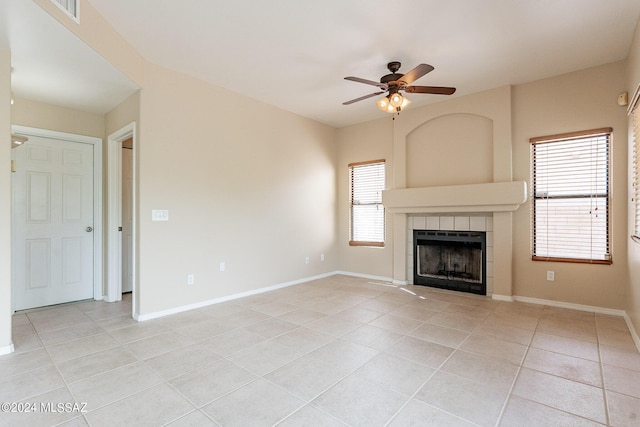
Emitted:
<point x="405" y="103"/>
<point x="394" y="103"/>
<point x="383" y="104"/>
<point x="396" y="100"/>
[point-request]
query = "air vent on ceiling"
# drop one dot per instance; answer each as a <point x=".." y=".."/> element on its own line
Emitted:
<point x="69" y="6"/>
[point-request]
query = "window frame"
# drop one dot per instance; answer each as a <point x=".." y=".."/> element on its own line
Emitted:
<point x="352" y="241"/>
<point x="634" y="112"/>
<point x="566" y="137"/>
<point x="72" y="12"/>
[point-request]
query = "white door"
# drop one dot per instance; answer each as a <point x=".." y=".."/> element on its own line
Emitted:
<point x="127" y="217"/>
<point x="52" y="222"/>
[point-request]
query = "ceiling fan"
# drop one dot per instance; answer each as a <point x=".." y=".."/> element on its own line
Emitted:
<point x="394" y="83"/>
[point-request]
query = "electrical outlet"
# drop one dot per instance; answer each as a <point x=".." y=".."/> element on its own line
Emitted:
<point x="551" y="276"/>
<point x="222" y="266"/>
<point x="191" y="279"/>
<point x="306" y="260"/>
<point x="321" y="257"/>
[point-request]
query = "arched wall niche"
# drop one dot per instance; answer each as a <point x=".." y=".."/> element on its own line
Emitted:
<point x="452" y="149"/>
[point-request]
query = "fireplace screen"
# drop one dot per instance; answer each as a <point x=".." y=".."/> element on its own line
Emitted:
<point x="450" y="259"/>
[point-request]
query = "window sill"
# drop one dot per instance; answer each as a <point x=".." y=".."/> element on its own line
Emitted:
<point x="367" y="244"/>
<point x="573" y="260"/>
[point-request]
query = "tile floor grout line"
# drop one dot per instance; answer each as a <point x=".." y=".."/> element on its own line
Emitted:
<point x="602" y="380"/>
<point x="517" y="376"/>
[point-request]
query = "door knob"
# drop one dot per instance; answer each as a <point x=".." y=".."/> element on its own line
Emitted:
<point x="88" y="229"/>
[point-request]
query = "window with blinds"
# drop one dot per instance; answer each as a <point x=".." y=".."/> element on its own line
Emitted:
<point x="570" y="197"/>
<point x="636" y="173"/>
<point x="69" y="6"/>
<point x="367" y="212"/>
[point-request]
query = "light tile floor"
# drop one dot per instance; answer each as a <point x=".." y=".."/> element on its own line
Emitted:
<point x="333" y="352"/>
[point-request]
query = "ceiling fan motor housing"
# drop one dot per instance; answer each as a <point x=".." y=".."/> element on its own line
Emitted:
<point x="390" y="79"/>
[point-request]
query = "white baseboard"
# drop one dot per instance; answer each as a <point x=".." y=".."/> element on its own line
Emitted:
<point x="560" y="304"/>
<point x="634" y="333"/>
<point x="7" y="349"/>
<point x="367" y="276"/>
<point x="176" y="310"/>
<point x="505" y="298"/>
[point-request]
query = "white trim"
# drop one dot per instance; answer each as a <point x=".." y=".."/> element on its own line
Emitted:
<point x="505" y="298"/>
<point x="114" y="220"/>
<point x="97" y="192"/>
<point x="176" y="310"/>
<point x="571" y="306"/>
<point x="368" y="276"/>
<point x="8" y="349"/>
<point x="114" y="203"/>
<point x="632" y="330"/>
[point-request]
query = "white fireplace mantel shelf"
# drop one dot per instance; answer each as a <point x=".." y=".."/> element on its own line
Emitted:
<point x="489" y="197"/>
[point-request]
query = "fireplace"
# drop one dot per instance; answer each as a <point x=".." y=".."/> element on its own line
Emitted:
<point x="454" y="260"/>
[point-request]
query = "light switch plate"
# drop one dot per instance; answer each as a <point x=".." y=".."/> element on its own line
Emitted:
<point x="159" y="215"/>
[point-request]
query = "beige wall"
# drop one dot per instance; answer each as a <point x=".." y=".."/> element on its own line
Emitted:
<point x="366" y="141"/>
<point x="577" y="101"/>
<point x="53" y="117"/>
<point x="244" y="183"/>
<point x="633" y="292"/>
<point x="5" y="205"/>
<point x="128" y="111"/>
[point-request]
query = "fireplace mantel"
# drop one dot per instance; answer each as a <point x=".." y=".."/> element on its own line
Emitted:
<point x="488" y="197"/>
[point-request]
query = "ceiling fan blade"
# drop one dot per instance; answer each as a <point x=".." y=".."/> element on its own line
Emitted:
<point x="362" y="97"/>
<point x="416" y="73"/>
<point x="436" y="90"/>
<point x="368" y="82"/>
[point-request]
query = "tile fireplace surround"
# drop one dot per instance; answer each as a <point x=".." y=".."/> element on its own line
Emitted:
<point x="452" y="223"/>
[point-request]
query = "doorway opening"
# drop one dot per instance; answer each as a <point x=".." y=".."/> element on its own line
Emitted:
<point x="122" y="247"/>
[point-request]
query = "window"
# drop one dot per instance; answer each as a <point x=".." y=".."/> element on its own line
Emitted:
<point x="570" y="192"/>
<point x="70" y="7"/>
<point x="636" y="169"/>
<point x="367" y="212"/>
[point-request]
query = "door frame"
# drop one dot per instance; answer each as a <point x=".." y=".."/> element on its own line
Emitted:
<point x="114" y="236"/>
<point x="97" y="193"/>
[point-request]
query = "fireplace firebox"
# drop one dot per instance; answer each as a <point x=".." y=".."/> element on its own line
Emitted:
<point x="454" y="260"/>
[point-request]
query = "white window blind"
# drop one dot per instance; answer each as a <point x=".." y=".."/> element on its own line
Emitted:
<point x="570" y="192"/>
<point x="367" y="212"/>
<point x="636" y="172"/>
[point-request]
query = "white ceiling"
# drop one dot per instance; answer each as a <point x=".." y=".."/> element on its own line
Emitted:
<point x="294" y="54"/>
